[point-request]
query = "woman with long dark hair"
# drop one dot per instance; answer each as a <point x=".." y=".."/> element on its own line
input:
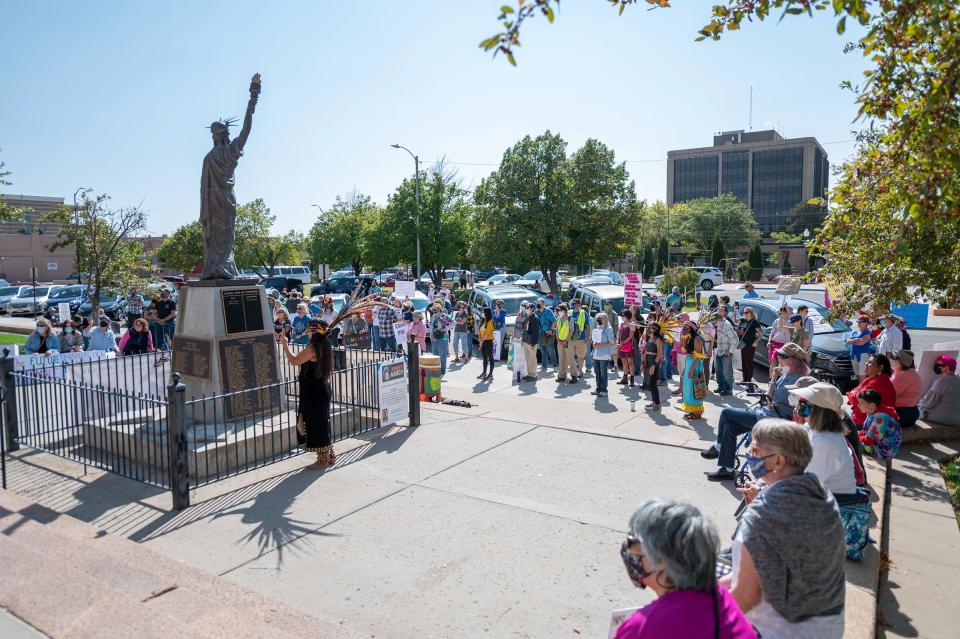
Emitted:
<point x="313" y="414"/>
<point x="485" y="334"/>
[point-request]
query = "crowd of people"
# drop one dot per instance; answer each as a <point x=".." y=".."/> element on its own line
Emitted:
<point x="150" y="327"/>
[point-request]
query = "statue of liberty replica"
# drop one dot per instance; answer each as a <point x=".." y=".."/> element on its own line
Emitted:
<point x="218" y="205"/>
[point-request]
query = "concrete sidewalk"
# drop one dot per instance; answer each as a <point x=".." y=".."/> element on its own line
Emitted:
<point x="918" y="591"/>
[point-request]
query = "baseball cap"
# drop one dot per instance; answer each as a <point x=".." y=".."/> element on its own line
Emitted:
<point x="820" y="394"/>
<point x="905" y="357"/>
<point x="796" y="318"/>
<point x="949" y="362"/>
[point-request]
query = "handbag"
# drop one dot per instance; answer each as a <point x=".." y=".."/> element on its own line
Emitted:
<point x="700" y="387"/>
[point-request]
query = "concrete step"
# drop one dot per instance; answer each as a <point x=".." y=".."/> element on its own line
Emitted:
<point x="67" y="579"/>
<point x="926" y="431"/>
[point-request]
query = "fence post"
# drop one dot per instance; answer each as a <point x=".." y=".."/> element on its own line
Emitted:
<point x="413" y="381"/>
<point x="11" y="431"/>
<point x="177" y="443"/>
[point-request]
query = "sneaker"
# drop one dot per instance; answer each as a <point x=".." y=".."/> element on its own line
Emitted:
<point x="593" y="392"/>
<point x="574" y="380"/>
<point x="561" y="379"/>
<point x="601" y="394"/>
<point x="482" y="376"/>
<point x="710" y="453"/>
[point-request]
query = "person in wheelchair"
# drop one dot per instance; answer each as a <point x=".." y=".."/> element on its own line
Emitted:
<point x="736" y="421"/>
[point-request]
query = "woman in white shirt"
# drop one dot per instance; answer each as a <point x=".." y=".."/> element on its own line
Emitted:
<point x="821" y="406"/>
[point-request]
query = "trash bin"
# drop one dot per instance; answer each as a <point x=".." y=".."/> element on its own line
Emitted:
<point x="429" y="377"/>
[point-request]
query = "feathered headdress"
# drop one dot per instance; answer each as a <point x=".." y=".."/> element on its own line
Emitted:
<point x="357" y="306"/>
<point x="667" y="320"/>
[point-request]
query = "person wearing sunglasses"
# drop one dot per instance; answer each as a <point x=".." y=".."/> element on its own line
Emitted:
<point x="789" y="547"/>
<point x="672" y="549"/>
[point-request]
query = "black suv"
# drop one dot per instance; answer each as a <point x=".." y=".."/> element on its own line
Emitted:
<point x="281" y="282"/>
<point x="342" y="284"/>
<point x="830" y="354"/>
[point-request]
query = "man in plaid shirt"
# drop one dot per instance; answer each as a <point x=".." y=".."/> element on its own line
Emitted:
<point x="385" y="317"/>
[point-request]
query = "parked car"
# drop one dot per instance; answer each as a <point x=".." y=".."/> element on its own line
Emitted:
<point x="73" y="295"/>
<point x="342" y="284"/>
<point x="486" y="274"/>
<point x="420" y="301"/>
<point x="596" y="276"/>
<point x="7" y="293"/>
<point x="281" y="282"/>
<point x="595" y="298"/>
<point x="451" y="278"/>
<point x="709" y="277"/>
<point x="511" y="295"/>
<point x="499" y="278"/>
<point x="154" y="289"/>
<point x="113" y="304"/>
<point x="830" y="359"/>
<point x="30" y="301"/>
<point x="4" y="283"/>
<point x="534" y="280"/>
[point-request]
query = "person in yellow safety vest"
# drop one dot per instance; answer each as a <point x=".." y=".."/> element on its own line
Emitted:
<point x="563" y="340"/>
<point x="577" y="346"/>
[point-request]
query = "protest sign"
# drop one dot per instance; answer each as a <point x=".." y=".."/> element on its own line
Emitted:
<point x="632" y="289"/>
<point x="63" y="310"/>
<point x="402" y="288"/>
<point x="788" y="286"/>
<point x="400" y="329"/>
<point x="392" y="390"/>
<point x="53" y="365"/>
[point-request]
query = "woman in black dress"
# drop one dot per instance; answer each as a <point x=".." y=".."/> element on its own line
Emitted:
<point x="313" y="416"/>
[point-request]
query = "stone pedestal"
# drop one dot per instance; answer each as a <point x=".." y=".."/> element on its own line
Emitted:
<point x="224" y="344"/>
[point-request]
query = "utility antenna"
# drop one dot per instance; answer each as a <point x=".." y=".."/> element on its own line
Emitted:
<point x="751" y="109"/>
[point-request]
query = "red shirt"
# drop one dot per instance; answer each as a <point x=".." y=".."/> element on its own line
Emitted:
<point x="881" y="383"/>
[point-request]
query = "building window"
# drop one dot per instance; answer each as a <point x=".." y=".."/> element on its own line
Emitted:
<point x="735" y="174"/>
<point x="695" y="177"/>
<point x="777" y="186"/>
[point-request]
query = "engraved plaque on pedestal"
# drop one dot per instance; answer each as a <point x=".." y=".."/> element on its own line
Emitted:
<point x="191" y="357"/>
<point x="242" y="310"/>
<point x="249" y="363"/>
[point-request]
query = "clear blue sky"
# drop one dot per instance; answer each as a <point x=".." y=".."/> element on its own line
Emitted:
<point x="116" y="95"/>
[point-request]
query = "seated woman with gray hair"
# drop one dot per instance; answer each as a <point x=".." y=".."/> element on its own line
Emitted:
<point x="672" y="548"/>
<point x="788" y="550"/>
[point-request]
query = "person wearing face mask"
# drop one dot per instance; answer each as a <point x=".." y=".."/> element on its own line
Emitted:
<point x="102" y="338"/>
<point x="672" y="549"/>
<point x="71" y="340"/>
<point x="789" y="547"/>
<point x="820" y="406"/>
<point x="603" y="343"/>
<point x="941" y="404"/>
<point x="42" y="340"/>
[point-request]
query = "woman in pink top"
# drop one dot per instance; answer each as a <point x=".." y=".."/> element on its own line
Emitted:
<point x="418" y="331"/>
<point x="672" y="549"/>
<point x="907" y="382"/>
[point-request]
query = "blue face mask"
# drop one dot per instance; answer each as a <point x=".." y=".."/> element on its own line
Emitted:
<point x="804" y="410"/>
<point x="756" y="466"/>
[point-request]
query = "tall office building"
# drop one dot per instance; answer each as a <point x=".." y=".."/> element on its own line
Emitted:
<point x="765" y="171"/>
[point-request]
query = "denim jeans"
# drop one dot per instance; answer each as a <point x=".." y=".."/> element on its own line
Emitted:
<point x="589" y="355"/>
<point x="666" y="367"/>
<point x="462" y="343"/>
<point x="440" y="347"/>
<point x="548" y="353"/>
<point x="168" y="330"/>
<point x="389" y="344"/>
<point x="602" y="374"/>
<point x="375" y="337"/>
<point x="724" y="368"/>
<point x="733" y="423"/>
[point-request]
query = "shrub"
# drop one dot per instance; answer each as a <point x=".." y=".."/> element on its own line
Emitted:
<point x="686" y="278"/>
<point x="786" y="266"/>
<point x="743" y="271"/>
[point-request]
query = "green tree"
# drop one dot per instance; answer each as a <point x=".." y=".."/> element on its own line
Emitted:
<point x="345" y="232"/>
<point x="105" y="240"/>
<point x="545" y="209"/>
<point x="806" y="216"/>
<point x="182" y="250"/>
<point x="648" y="261"/>
<point x="663" y="255"/>
<point x="718" y="252"/>
<point x="785" y="266"/>
<point x="725" y="217"/>
<point x="445" y="223"/>
<point x="782" y="237"/>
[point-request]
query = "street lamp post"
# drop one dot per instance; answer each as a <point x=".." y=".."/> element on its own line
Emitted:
<point x="806" y="246"/>
<point x="76" y="232"/>
<point x="416" y="168"/>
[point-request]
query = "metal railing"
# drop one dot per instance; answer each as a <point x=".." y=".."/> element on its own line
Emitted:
<point x="119" y="415"/>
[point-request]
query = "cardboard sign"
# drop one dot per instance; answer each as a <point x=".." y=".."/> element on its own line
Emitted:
<point x="63" y="310"/>
<point x="497" y="344"/>
<point x="632" y="289"/>
<point x="392" y="390"/>
<point x="53" y="366"/>
<point x="820" y="324"/>
<point x="400" y="329"/>
<point x="402" y="288"/>
<point x="788" y="286"/>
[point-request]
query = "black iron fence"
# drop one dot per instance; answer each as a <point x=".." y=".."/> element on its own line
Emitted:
<point x="122" y="416"/>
